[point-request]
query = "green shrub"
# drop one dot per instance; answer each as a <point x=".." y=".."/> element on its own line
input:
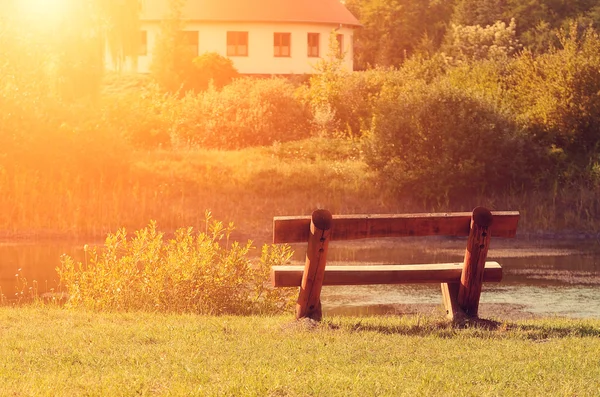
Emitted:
<point x="342" y="102"/>
<point x="437" y="142"/>
<point x="213" y="67"/>
<point x="141" y="115"/>
<point x="247" y="112"/>
<point x="472" y="43"/>
<point x="199" y="273"/>
<point x="556" y="96"/>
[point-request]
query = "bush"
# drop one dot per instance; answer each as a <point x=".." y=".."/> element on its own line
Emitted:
<point x="140" y="115"/>
<point x="199" y="273"/>
<point x="342" y="102"/>
<point x="556" y="96"/>
<point x="212" y="67"/>
<point x="247" y="112"/>
<point x="472" y="43"/>
<point x="435" y="141"/>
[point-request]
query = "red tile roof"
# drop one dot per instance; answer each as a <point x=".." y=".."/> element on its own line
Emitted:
<point x="313" y="11"/>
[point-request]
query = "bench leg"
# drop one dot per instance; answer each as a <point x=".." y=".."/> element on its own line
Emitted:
<point x="474" y="265"/>
<point x="309" y="299"/>
<point x="450" y="299"/>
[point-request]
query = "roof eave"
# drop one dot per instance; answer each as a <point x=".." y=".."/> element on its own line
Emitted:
<point x="346" y="24"/>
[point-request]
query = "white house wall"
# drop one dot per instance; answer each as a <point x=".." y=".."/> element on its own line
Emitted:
<point x="212" y="37"/>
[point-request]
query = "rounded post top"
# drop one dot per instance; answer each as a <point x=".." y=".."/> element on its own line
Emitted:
<point x="322" y="219"/>
<point x="482" y="217"/>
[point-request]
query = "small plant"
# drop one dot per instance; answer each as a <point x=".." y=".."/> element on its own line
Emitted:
<point x="199" y="273"/>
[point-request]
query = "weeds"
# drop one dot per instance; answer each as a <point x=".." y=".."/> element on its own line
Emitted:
<point x="195" y="272"/>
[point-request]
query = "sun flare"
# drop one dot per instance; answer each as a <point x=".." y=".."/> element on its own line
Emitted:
<point x="44" y="10"/>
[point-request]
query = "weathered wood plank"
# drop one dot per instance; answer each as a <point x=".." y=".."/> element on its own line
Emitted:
<point x="291" y="276"/>
<point x="296" y="229"/>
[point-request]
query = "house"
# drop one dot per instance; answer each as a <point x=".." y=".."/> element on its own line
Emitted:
<point x="261" y="37"/>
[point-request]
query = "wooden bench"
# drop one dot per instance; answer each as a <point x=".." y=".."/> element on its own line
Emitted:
<point x="461" y="282"/>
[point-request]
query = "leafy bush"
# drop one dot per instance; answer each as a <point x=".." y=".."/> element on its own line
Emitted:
<point x="556" y="96"/>
<point x="212" y="67"/>
<point x="472" y="43"/>
<point x="435" y="141"/>
<point x="247" y="112"/>
<point x="140" y="115"/>
<point x="342" y="102"/>
<point x="199" y="273"/>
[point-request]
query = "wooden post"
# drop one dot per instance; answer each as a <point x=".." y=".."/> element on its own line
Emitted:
<point x="477" y="248"/>
<point x="309" y="300"/>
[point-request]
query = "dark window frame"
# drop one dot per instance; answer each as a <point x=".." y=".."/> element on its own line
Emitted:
<point x="237" y="44"/>
<point x="313" y="41"/>
<point x="282" y="45"/>
<point x="191" y="40"/>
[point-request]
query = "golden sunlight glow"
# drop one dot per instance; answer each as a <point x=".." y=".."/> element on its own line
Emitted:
<point x="44" y="10"/>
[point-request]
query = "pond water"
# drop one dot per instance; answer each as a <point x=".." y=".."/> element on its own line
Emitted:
<point x="548" y="277"/>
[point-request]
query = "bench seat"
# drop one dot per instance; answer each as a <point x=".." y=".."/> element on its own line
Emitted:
<point x="291" y="276"/>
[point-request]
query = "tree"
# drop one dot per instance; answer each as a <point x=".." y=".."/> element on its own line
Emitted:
<point x="120" y="21"/>
<point x="556" y="97"/>
<point x="478" y="12"/>
<point x="473" y="43"/>
<point x="395" y="29"/>
<point x="172" y="64"/>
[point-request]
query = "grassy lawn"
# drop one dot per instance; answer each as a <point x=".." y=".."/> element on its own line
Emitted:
<point x="57" y="352"/>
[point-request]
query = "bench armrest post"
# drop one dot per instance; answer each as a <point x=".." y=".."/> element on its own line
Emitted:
<point x="309" y="299"/>
<point x="475" y="255"/>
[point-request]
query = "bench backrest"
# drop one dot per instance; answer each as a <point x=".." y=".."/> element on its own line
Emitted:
<point x="296" y="229"/>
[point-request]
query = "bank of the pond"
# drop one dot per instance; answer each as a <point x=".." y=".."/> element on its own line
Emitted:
<point x="56" y="352"/>
<point x="249" y="187"/>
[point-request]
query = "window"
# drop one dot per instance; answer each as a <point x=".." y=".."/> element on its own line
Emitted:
<point x="313" y="44"/>
<point x="281" y="44"/>
<point x="189" y="39"/>
<point x="237" y="44"/>
<point x="143" y="44"/>
<point x="340" y="41"/>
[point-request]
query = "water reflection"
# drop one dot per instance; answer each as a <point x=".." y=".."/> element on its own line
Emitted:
<point x="26" y="262"/>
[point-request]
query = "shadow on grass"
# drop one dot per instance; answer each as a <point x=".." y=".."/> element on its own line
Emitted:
<point x="539" y="330"/>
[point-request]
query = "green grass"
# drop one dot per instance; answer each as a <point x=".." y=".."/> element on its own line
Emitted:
<point x="55" y="352"/>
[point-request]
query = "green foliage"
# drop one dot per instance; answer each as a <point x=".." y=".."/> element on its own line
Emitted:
<point x="175" y="66"/>
<point x="556" y="98"/>
<point x="247" y="112"/>
<point x="193" y="272"/>
<point x="537" y="19"/>
<point x="139" y="113"/>
<point x="478" y="12"/>
<point x="471" y="43"/>
<point x="172" y="63"/>
<point x="121" y="22"/>
<point x="215" y="68"/>
<point x="343" y="102"/>
<point x="436" y="142"/>
<point x="393" y="30"/>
